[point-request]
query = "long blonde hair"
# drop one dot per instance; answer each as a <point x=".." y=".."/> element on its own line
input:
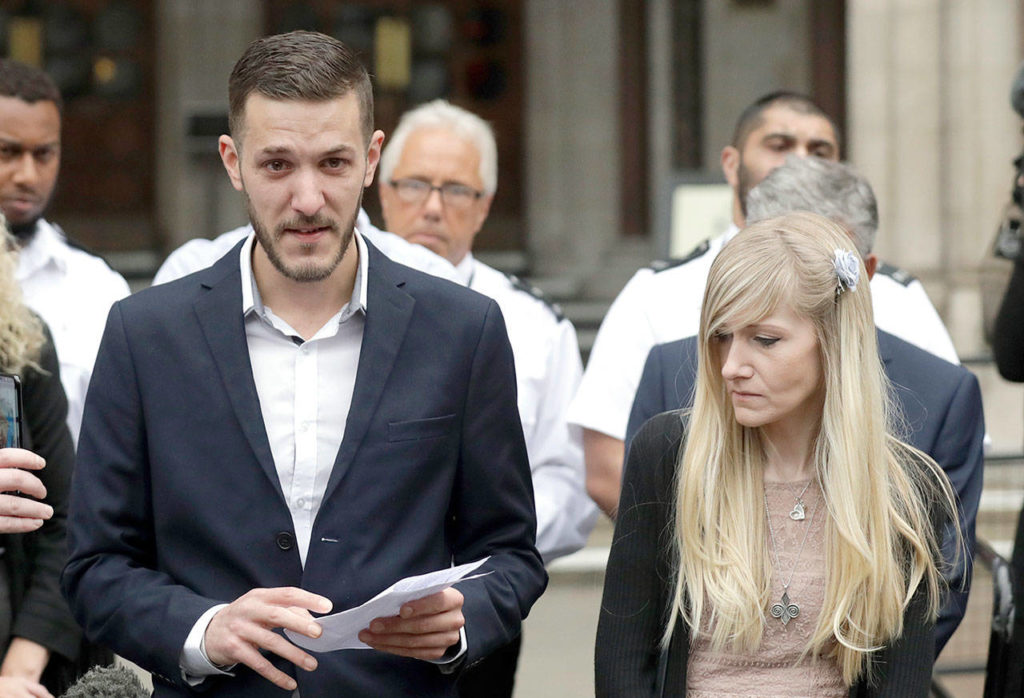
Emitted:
<point x="21" y="331"/>
<point x="880" y="540"/>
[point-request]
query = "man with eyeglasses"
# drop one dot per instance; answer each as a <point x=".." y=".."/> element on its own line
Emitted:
<point x="438" y="177"/>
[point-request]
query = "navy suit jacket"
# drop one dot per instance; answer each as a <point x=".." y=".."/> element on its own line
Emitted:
<point x="941" y="408"/>
<point x="177" y="506"/>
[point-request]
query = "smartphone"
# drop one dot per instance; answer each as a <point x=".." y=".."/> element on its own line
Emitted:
<point x="11" y="425"/>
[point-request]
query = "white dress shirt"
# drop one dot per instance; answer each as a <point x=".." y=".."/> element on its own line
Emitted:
<point x="663" y="305"/>
<point x="72" y="291"/>
<point x="200" y="253"/>
<point x="548" y="370"/>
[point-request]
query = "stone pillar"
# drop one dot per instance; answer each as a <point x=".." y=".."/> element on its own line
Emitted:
<point x="571" y="130"/>
<point x="931" y="128"/>
<point x="198" y="43"/>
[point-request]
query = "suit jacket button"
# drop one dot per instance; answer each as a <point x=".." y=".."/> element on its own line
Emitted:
<point x="285" y="540"/>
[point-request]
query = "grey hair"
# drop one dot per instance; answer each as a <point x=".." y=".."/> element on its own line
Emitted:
<point x="441" y="114"/>
<point x="831" y="189"/>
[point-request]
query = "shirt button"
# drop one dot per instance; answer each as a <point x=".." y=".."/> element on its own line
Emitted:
<point x="300" y="503"/>
<point x="285" y="540"/>
<point x="304" y="427"/>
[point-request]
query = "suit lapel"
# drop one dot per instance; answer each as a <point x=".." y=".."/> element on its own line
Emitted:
<point x="389" y="310"/>
<point x="219" y="311"/>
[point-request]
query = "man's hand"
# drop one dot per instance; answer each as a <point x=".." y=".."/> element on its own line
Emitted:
<point x="14" y="687"/>
<point x="423" y="629"/>
<point x="239" y="631"/>
<point x="20" y="514"/>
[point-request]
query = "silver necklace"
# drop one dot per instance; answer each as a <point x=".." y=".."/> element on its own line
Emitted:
<point x="786" y="610"/>
<point x="798" y="512"/>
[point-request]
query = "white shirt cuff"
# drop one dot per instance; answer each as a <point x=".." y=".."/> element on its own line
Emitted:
<point x="195" y="665"/>
<point x="449" y="657"/>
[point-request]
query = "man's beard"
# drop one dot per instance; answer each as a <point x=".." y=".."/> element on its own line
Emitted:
<point x="23" y="231"/>
<point x="303" y="272"/>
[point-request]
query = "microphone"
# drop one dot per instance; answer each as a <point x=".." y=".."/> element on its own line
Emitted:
<point x="108" y="682"/>
<point x="1017" y="92"/>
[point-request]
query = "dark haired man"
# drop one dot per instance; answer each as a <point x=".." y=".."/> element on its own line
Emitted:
<point x="69" y="288"/>
<point x="299" y="426"/>
<point x="662" y="303"/>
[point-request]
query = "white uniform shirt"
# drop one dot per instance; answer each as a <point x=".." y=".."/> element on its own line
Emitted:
<point x="548" y="369"/>
<point x="72" y="291"/>
<point x="662" y="306"/>
<point x="200" y="253"/>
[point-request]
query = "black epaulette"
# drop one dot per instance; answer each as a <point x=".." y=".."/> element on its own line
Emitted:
<point x="663" y="264"/>
<point x="900" y="276"/>
<point x="529" y="288"/>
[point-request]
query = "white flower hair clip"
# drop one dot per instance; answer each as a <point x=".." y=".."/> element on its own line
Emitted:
<point x="847" y="269"/>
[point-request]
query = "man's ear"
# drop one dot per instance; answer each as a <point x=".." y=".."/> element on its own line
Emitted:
<point x="731" y="166"/>
<point x="373" y="156"/>
<point x="871" y="264"/>
<point x="230" y="155"/>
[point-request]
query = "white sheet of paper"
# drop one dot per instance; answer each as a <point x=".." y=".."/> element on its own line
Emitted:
<point x="341" y="630"/>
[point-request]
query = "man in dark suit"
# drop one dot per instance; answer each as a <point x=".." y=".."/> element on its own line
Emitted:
<point x="940" y="402"/>
<point x="298" y="427"/>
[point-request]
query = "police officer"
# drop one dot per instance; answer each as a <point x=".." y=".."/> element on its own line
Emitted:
<point x="662" y="303"/>
<point x="438" y="174"/>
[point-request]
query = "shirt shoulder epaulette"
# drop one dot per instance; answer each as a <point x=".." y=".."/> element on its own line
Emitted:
<point x="900" y="276"/>
<point x="663" y="264"/>
<point x="531" y="290"/>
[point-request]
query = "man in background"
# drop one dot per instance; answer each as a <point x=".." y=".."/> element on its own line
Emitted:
<point x="69" y="288"/>
<point x="662" y="303"/>
<point x="438" y="175"/>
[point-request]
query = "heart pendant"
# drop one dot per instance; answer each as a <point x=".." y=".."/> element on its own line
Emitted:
<point x="798" y="512"/>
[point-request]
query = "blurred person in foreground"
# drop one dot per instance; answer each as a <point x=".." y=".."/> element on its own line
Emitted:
<point x="777" y="538"/>
<point x="69" y="288"/>
<point x="438" y="175"/>
<point x="939" y="403"/>
<point x="298" y="427"/>
<point x="41" y="638"/>
<point x="661" y="303"/>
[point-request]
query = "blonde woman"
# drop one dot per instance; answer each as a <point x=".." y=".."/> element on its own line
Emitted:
<point x="777" y="540"/>
<point x="37" y="633"/>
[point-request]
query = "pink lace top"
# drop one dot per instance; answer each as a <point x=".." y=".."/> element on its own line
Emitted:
<point x="776" y="669"/>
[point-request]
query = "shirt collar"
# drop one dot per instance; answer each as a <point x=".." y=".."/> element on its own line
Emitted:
<point x="464" y="270"/>
<point x="253" y="303"/>
<point x="46" y="246"/>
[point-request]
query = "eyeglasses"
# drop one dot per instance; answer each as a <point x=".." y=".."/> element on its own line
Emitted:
<point x="453" y="195"/>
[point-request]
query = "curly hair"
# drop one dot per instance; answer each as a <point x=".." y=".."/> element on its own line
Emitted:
<point x="21" y="330"/>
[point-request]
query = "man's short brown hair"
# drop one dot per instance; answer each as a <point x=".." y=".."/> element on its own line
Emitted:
<point x="27" y="83"/>
<point x="299" y="65"/>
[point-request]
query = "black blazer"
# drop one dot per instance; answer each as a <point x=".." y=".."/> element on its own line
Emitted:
<point x="177" y="506"/>
<point x="629" y="661"/>
<point x="941" y="407"/>
<point x="34" y="560"/>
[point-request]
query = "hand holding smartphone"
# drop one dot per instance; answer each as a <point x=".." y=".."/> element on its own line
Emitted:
<point x="11" y="426"/>
<point x="19" y="488"/>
